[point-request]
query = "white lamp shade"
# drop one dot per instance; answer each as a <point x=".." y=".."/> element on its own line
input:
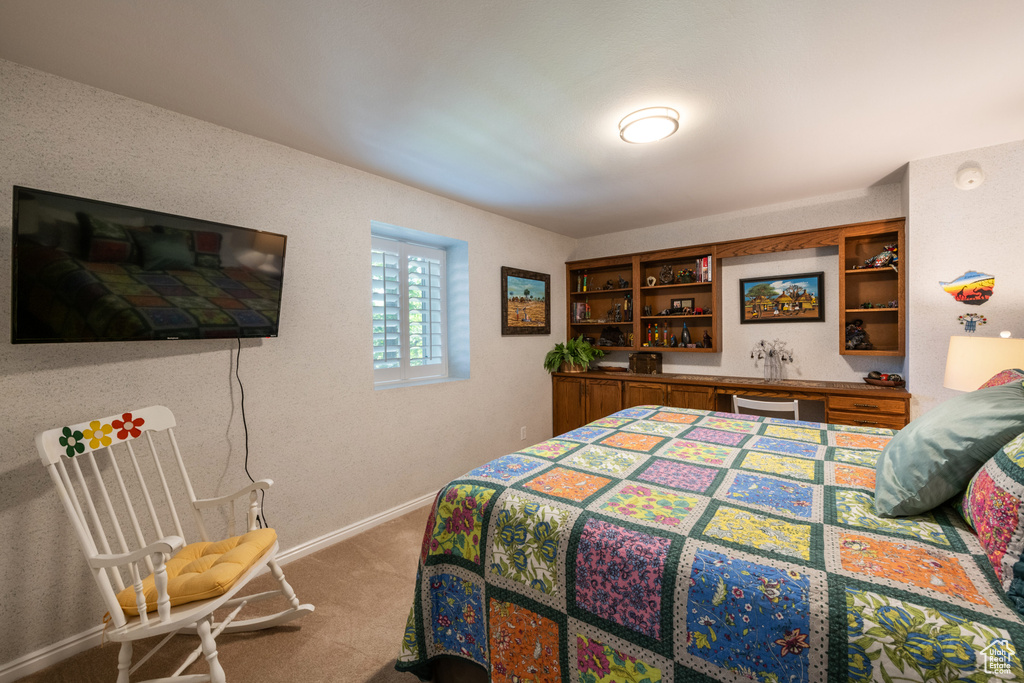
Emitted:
<point x="972" y="361"/>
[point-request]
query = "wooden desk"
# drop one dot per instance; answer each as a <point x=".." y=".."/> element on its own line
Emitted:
<point x="579" y="398"/>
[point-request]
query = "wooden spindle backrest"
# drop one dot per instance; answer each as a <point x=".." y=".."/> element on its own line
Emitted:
<point x="113" y="483"/>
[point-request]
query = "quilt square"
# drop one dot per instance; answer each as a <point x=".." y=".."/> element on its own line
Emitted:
<point x="458" y="522"/>
<point x="890" y="638"/>
<point x="679" y="475"/>
<point x="550" y="449"/>
<point x="637" y="412"/>
<point x="565" y="483"/>
<point x="678" y="418"/>
<point x="857" y="508"/>
<point x="633" y="442"/>
<point x="760" y="532"/>
<point x="737" y="610"/>
<point x="875" y="442"/>
<point x="612" y="422"/>
<point x="507" y="467"/>
<point x="779" y="496"/>
<point x="639" y="502"/>
<point x="795" y="468"/>
<point x="794" y="433"/>
<point x="525" y="543"/>
<point x="695" y="451"/>
<point x="654" y="427"/>
<point x="851" y="475"/>
<point x="924" y="568"/>
<point x="856" y="457"/>
<point x="586" y="434"/>
<point x="619" y="575"/>
<point x="730" y="424"/>
<point x="524" y="645"/>
<point x="597" y="662"/>
<point x="605" y="460"/>
<point x="798" y="448"/>
<point x="716" y="436"/>
<point x="457" y="620"/>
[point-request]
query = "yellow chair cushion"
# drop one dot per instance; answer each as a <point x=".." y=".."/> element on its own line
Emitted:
<point x="203" y="570"/>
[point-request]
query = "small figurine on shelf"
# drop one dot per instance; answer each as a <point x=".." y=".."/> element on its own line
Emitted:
<point x="857" y="337"/>
<point x="686" y="276"/>
<point x="887" y="257"/>
<point x="666" y="275"/>
<point x="707" y="340"/>
<point x="609" y="284"/>
<point x="623" y="284"/>
<point x="867" y="304"/>
<point x="672" y="341"/>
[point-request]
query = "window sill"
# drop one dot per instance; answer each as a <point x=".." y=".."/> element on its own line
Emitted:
<point x="417" y="382"/>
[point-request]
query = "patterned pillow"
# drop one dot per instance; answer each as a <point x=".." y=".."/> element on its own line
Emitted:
<point x="107" y="242"/>
<point x="1004" y="377"/>
<point x="204" y="244"/>
<point x="992" y="506"/>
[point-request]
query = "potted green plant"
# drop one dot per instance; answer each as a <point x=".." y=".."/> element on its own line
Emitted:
<point x="574" y="355"/>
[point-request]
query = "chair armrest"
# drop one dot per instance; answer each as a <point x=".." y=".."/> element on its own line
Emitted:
<point x="260" y="485"/>
<point x="167" y="545"/>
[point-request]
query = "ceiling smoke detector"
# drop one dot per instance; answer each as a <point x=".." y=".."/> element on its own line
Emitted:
<point x="969" y="177"/>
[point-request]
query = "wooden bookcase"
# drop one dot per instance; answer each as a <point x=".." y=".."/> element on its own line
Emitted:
<point x="594" y="290"/>
<point x="703" y="292"/>
<point x="885" y="324"/>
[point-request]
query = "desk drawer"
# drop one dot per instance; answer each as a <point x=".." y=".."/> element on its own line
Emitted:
<point x="867" y="404"/>
<point x="867" y="419"/>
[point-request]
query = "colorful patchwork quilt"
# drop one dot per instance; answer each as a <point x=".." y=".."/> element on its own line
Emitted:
<point x="81" y="299"/>
<point x="667" y="544"/>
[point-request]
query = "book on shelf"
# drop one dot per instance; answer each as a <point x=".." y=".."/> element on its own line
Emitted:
<point x="702" y="270"/>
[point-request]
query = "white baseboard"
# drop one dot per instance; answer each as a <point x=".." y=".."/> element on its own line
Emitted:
<point x="51" y="654"/>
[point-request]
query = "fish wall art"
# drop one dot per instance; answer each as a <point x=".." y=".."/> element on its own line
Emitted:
<point x="972" y="288"/>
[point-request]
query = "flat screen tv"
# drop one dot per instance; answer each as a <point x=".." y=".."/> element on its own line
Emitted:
<point x="91" y="271"/>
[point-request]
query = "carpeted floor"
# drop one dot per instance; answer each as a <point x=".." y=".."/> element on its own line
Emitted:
<point x="362" y="589"/>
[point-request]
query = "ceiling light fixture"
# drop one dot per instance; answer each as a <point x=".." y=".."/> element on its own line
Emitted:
<point x="649" y="125"/>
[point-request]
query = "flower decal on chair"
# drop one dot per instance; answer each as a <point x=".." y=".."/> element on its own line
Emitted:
<point x="96" y="434"/>
<point x="128" y="426"/>
<point x="71" y="441"/>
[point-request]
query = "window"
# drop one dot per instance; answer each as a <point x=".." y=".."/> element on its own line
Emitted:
<point x="409" y="311"/>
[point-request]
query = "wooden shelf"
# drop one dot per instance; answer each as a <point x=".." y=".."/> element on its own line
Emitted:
<point x="676" y="285"/>
<point x="885" y="326"/>
<point x="675" y="317"/>
<point x="601" y="291"/>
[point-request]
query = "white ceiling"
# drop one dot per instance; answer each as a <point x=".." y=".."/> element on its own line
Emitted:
<point x="513" y="106"/>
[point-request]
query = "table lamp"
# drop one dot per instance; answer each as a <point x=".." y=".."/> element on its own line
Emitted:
<point x="972" y="361"/>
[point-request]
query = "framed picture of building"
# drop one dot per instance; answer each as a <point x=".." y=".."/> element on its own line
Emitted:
<point x="783" y="299"/>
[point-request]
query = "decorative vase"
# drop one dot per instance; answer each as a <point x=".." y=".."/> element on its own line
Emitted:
<point x="772" y="367"/>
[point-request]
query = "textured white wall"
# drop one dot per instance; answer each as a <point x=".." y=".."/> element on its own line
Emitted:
<point x="815" y="345"/>
<point x="952" y="231"/>
<point x="338" y="450"/>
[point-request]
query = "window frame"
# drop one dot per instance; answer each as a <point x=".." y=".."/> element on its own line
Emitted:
<point x="406" y="372"/>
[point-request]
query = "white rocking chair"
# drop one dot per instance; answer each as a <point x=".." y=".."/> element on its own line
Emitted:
<point x="171" y="587"/>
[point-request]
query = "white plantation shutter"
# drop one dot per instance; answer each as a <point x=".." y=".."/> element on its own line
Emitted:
<point x="408" y="294"/>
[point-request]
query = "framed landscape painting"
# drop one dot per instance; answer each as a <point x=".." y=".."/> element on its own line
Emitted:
<point x="525" y="302"/>
<point x="783" y="299"/>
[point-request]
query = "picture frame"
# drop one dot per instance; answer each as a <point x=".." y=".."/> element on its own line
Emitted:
<point x="525" y="302"/>
<point x="798" y="298"/>
<point x="679" y="304"/>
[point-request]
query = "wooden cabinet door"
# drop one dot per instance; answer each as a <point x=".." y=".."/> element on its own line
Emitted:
<point x="604" y="397"/>
<point x="643" y="393"/>
<point x="568" y="404"/>
<point x="688" y="396"/>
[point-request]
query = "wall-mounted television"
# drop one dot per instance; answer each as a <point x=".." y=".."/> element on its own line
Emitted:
<point x="89" y="271"/>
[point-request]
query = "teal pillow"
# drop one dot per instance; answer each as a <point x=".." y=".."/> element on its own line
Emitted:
<point x="164" y="252"/>
<point x="934" y="457"/>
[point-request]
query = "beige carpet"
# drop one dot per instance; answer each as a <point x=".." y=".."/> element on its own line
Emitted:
<point x="362" y="589"/>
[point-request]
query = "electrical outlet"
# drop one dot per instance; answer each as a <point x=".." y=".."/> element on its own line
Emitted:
<point x="522" y="434"/>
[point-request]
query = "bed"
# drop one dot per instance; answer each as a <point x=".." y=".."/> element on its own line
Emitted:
<point x="669" y="544"/>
